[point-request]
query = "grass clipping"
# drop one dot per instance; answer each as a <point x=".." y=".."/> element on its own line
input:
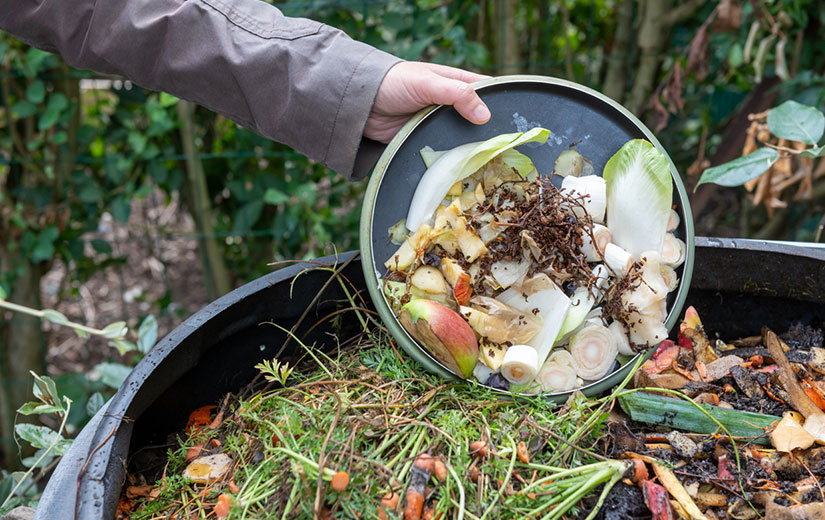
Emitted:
<point x="369" y="435"/>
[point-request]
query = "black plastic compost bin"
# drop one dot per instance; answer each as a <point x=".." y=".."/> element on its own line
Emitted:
<point x="738" y="286"/>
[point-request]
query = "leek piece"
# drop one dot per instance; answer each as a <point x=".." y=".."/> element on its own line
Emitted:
<point x="552" y="305"/>
<point x="617" y="259"/>
<point x="556" y="377"/>
<point x="639" y="196"/>
<point x="457" y="164"/>
<point x="594" y="351"/>
<point x="683" y="415"/>
<point x="582" y="302"/>
<point x="519" y="365"/>
<point x="593" y="244"/>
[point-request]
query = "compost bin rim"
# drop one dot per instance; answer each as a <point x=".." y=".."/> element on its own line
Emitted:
<point x="99" y="468"/>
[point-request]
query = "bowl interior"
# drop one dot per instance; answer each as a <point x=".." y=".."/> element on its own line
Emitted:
<point x="573" y="113"/>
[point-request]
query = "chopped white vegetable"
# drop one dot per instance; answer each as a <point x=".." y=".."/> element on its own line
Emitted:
<point x="593" y="193"/>
<point x="594" y="351"/>
<point x="520" y="364"/>
<point x="593" y="246"/>
<point x="617" y="259"/>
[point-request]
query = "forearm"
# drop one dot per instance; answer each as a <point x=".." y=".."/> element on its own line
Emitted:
<point x="292" y="80"/>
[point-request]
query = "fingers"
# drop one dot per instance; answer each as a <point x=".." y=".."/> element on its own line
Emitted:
<point x="437" y="89"/>
<point x="454" y="73"/>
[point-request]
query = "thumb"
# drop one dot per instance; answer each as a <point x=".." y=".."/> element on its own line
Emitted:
<point x="440" y="90"/>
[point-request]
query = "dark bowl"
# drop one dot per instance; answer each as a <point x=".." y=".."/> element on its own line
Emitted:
<point x="573" y="113"/>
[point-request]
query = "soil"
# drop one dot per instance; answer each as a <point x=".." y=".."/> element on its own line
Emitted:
<point x="160" y="261"/>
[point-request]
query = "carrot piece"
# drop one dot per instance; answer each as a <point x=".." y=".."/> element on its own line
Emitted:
<point x="199" y="419"/>
<point x="639" y="471"/>
<point x="419" y="475"/>
<point x="523" y="454"/>
<point x="340" y="481"/>
<point x="478" y="448"/>
<point x="234" y="487"/>
<point x="388" y="502"/>
<point x="195" y="451"/>
<point x="440" y="469"/>
<point x="223" y="506"/>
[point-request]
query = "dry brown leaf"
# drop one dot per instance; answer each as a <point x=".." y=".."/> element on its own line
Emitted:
<point x="728" y="15"/>
<point x="697" y="61"/>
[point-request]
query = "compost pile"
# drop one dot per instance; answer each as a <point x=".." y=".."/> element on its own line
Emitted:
<point x="364" y="436"/>
<point x="713" y="429"/>
<point x="734" y="429"/>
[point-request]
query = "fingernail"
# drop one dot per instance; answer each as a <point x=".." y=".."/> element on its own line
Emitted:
<point x="481" y="113"/>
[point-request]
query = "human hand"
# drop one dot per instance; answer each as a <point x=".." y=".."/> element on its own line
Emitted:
<point x="410" y="86"/>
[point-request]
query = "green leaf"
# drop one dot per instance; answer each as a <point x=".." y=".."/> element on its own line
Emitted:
<point x="101" y="246"/>
<point x="23" y="108"/>
<point x="246" y="217"/>
<point x="458" y="163"/>
<point x="122" y="346"/>
<point x="147" y="334"/>
<point x="112" y="374"/>
<point x="55" y="317"/>
<point x="796" y="122"/>
<point x="90" y="193"/>
<point x="3" y="294"/>
<point x="95" y="403"/>
<point x="639" y="196"/>
<point x="33" y="408"/>
<point x="741" y="170"/>
<point x="38" y="436"/>
<point x="45" y="389"/>
<point x="54" y="106"/>
<point x="36" y="91"/>
<point x="44" y="248"/>
<point x="167" y="100"/>
<point x="115" y="330"/>
<point x="813" y="153"/>
<point x="121" y="209"/>
<point x="736" y="56"/>
<point x="275" y="197"/>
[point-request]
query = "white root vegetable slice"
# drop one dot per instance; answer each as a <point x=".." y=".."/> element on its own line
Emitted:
<point x="593" y="247"/>
<point x="592" y="195"/>
<point x="594" y="350"/>
<point x="520" y="364"/>
<point x="673" y="251"/>
<point x="673" y="220"/>
<point x="619" y="332"/>
<point x="556" y="377"/>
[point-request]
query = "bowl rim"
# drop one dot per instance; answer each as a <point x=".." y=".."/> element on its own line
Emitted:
<point x="372" y="277"/>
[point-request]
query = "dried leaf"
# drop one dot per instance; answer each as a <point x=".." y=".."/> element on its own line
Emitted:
<point x="697" y="61"/>
<point x="728" y="15"/>
<point x="659" y="111"/>
<point x="672" y="94"/>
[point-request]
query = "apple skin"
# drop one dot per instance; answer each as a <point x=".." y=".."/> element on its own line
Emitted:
<point x="447" y="336"/>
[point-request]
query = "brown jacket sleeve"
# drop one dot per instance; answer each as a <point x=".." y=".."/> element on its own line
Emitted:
<point x="292" y="80"/>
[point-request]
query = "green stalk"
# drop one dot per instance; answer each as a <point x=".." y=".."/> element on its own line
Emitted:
<point x="461" y="499"/>
<point x="505" y="481"/>
<point x="292" y="495"/>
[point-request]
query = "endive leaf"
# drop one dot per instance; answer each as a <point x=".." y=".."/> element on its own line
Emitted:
<point x="458" y="163"/>
<point x="639" y="196"/>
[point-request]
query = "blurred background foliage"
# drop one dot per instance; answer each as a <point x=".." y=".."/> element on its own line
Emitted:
<point x="80" y="151"/>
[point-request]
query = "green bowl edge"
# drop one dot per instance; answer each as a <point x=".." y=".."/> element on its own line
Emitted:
<point x="391" y="322"/>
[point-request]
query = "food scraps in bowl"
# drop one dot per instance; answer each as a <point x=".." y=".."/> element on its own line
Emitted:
<point x="524" y="286"/>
